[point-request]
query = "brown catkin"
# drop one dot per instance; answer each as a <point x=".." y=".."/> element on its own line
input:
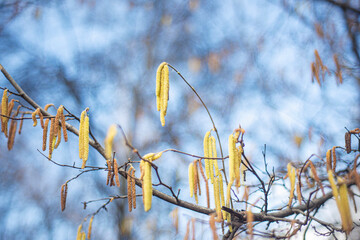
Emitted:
<point x="63" y="125"/>
<point x="197" y="188"/>
<point x="133" y="188"/>
<point x="129" y="190"/>
<point x="109" y="172"/>
<point x="250" y="220"/>
<point x="328" y="160"/>
<point x="21" y="123"/>
<point x="45" y="130"/>
<point x="90" y="227"/>
<point x="63" y="196"/>
<point x="116" y="173"/>
<point x="206" y="184"/>
<point x="12" y="133"/>
<point x="191" y="178"/>
<point x="4" y="112"/>
<point x="333" y="158"/>
<point x="41" y="118"/>
<point x="316" y="177"/>
<point x="348" y="142"/>
<point x="213" y="227"/>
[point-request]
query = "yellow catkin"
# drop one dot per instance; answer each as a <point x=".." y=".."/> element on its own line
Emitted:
<point x="78" y="235"/>
<point x="291" y="173"/>
<point x="191" y="179"/>
<point x="328" y="160"/>
<point x="33" y="116"/>
<point x="109" y="141"/>
<point x="213" y="144"/>
<point x="206" y="154"/>
<point x="238" y="166"/>
<point x="222" y="196"/>
<point x="147" y="183"/>
<point x="63" y="125"/>
<point x="63" y="196"/>
<point x="48" y="105"/>
<point x="85" y="141"/>
<point x="217" y="197"/>
<point x="228" y="192"/>
<point x="129" y="189"/>
<point x="333" y="158"/>
<point x="4" y="112"/>
<point x="51" y="137"/>
<point x="196" y="179"/>
<point x="211" y="161"/>
<point x="158" y="84"/>
<point x="41" y="118"/>
<point x="232" y="157"/>
<point x="133" y="188"/>
<point x="228" y="219"/>
<point x="165" y="87"/>
<point x="45" y="130"/>
<point x="345" y="213"/>
<point x="81" y="135"/>
<point x="333" y="185"/>
<point x="90" y="227"/>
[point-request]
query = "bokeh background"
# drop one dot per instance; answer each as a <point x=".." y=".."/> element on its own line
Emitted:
<point x="250" y="61"/>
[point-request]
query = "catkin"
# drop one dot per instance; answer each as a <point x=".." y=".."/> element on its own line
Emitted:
<point x="116" y="173"/>
<point x="58" y="138"/>
<point x="47" y="106"/>
<point x="51" y="136"/>
<point x="328" y="160"/>
<point x="133" y="188"/>
<point x="4" y="112"/>
<point x="79" y="233"/>
<point x="147" y="184"/>
<point x="45" y="134"/>
<point x="12" y="133"/>
<point x="346" y="218"/>
<point x="109" y="141"/>
<point x="316" y="177"/>
<point x="81" y="135"/>
<point x="333" y="158"/>
<point x="348" y="142"/>
<point x="213" y="227"/>
<point x="63" y="125"/>
<point x="291" y="173"/>
<point x="175" y="218"/>
<point x="162" y="90"/>
<point x="85" y="144"/>
<point x="60" y="111"/>
<point x="90" y="227"/>
<point x="191" y="179"/>
<point x="63" y="196"/>
<point x="232" y="157"/>
<point x="206" y="184"/>
<point x="21" y="123"/>
<point x="250" y="220"/>
<point x="129" y="189"/>
<point x="206" y="154"/>
<point x="217" y="197"/>
<point x="33" y="116"/>
<point x="10" y="107"/>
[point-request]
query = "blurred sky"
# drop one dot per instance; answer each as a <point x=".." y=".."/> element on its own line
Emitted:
<point x="248" y="60"/>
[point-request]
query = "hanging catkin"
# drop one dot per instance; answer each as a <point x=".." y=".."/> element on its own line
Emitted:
<point x="4" y="112"/>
